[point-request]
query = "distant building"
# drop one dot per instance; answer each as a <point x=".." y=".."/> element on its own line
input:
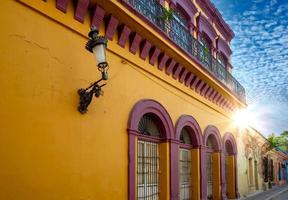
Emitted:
<point x="163" y="128"/>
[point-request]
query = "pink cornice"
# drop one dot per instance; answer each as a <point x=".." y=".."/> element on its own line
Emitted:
<point x="205" y="26"/>
<point x="224" y="47"/>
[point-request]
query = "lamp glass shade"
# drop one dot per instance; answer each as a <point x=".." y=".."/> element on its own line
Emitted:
<point x="100" y="53"/>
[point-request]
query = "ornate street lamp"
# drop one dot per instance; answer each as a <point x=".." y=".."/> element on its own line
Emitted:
<point x="96" y="45"/>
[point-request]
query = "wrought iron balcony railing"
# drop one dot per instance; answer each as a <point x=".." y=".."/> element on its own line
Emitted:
<point x="178" y="32"/>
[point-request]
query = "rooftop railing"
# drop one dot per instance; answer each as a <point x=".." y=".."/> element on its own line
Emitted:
<point x="177" y="31"/>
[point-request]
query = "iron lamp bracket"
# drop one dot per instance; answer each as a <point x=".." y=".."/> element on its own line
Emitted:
<point x="86" y="95"/>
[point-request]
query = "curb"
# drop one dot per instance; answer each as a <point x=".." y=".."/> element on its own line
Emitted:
<point x="277" y="194"/>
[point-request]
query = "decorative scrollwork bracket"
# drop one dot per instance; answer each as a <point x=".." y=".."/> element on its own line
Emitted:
<point x="86" y="95"/>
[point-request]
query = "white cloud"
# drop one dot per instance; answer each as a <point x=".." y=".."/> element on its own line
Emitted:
<point x="260" y="60"/>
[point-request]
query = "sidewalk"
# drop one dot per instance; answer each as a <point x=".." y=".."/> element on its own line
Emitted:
<point x="269" y="194"/>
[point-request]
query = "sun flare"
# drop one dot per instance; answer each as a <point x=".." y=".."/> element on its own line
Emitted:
<point x="244" y="118"/>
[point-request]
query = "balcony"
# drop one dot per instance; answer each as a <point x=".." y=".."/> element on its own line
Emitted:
<point x="177" y="31"/>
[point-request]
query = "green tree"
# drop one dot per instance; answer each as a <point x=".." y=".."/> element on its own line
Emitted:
<point x="279" y="141"/>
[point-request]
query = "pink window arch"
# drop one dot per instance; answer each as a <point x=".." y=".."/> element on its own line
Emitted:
<point x="211" y="132"/>
<point x="196" y="142"/>
<point x="146" y="106"/>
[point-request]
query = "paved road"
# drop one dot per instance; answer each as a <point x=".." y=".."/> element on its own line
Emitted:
<point x="280" y="193"/>
<point x="283" y="196"/>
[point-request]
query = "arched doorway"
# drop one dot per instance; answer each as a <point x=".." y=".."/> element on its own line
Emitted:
<point x="230" y="157"/>
<point x="213" y="163"/>
<point x="149" y="129"/>
<point x="189" y="138"/>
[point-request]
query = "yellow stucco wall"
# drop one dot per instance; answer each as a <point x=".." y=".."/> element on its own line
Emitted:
<point x="48" y="149"/>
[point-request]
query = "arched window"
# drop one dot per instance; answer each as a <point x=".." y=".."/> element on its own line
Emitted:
<point x="148" y="158"/>
<point x="206" y="42"/>
<point x="185" y="164"/>
<point x="205" y="49"/>
<point x="214" y="181"/>
<point x="149" y="129"/>
<point x="222" y="59"/>
<point x="185" y="160"/>
<point x="185" y="137"/>
<point x="148" y="126"/>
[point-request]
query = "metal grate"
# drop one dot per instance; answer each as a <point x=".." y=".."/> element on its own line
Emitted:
<point x="148" y="126"/>
<point x="209" y="175"/>
<point x="185" y="174"/>
<point x="147" y="171"/>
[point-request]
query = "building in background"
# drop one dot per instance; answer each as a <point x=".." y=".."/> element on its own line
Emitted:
<point x="164" y="127"/>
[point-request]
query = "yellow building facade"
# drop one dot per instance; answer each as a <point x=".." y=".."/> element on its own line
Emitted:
<point x="163" y="128"/>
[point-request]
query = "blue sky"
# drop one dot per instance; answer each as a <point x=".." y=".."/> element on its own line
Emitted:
<point x="260" y="57"/>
